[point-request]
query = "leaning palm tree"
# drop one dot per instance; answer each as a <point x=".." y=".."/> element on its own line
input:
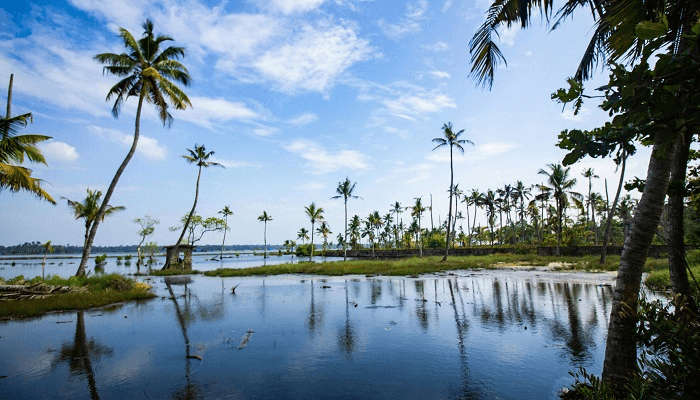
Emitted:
<point x="452" y="139"/>
<point x="89" y="211"/>
<point x="48" y="248"/>
<point x="13" y="151"/>
<point x="345" y="191"/>
<point x="561" y="185"/>
<point x="265" y="218"/>
<point x="315" y="214"/>
<point x="226" y="211"/>
<point x="146" y="72"/>
<point x="200" y="157"/>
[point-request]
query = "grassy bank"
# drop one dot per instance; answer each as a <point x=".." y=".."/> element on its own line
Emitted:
<point x="660" y="279"/>
<point x="90" y="292"/>
<point x="422" y="265"/>
<point x="168" y="272"/>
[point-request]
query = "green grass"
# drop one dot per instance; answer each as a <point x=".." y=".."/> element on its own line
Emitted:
<point x="99" y="291"/>
<point x="660" y="279"/>
<point x="169" y="272"/>
<point x="422" y="265"/>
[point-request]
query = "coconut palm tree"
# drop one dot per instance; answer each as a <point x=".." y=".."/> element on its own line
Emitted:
<point x="226" y="211"/>
<point x="315" y="214"/>
<point x="345" y="191"/>
<point x="89" y="211"/>
<point x="457" y="193"/>
<point x="148" y="73"/>
<point x="630" y="31"/>
<point x="397" y="209"/>
<point x="324" y="231"/>
<point x="198" y="156"/>
<point x="452" y="139"/>
<point x="48" y="248"/>
<point x="589" y="174"/>
<point x="489" y="202"/>
<point x="13" y="150"/>
<point x="265" y="218"/>
<point x="521" y="193"/>
<point x="354" y="231"/>
<point x="475" y="197"/>
<point x="416" y="211"/>
<point x="303" y="235"/>
<point x="561" y="185"/>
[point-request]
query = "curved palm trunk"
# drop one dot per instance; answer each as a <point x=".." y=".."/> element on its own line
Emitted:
<point x="189" y="217"/>
<point x="223" y="242"/>
<point x="449" y="212"/>
<point x="676" y="193"/>
<point x="621" y="346"/>
<point x="608" y="223"/>
<point x="108" y="195"/>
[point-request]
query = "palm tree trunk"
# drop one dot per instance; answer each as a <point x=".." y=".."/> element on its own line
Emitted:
<point x="449" y="212"/>
<point x="621" y="346"/>
<point x="608" y="223"/>
<point x="265" y="240"/>
<point x="311" y="256"/>
<point x="223" y="242"/>
<point x="189" y="218"/>
<point x="676" y="194"/>
<point x="345" y="241"/>
<point x="559" y="225"/>
<point x="101" y="212"/>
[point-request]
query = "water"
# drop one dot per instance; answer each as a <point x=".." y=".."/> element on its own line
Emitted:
<point x="480" y="334"/>
<point x="65" y="266"/>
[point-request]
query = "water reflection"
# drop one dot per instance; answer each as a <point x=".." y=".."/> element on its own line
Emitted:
<point x="490" y="335"/>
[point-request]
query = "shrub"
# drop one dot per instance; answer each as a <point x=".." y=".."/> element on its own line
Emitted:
<point x="303" y="250"/>
<point x="100" y="260"/>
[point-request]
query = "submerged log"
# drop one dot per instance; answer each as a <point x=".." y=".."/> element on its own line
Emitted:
<point x="36" y="291"/>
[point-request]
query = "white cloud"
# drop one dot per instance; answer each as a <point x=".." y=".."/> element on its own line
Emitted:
<point x="265" y="130"/>
<point x="303" y="119"/>
<point x="409" y="23"/>
<point x="528" y="53"/>
<point x="311" y="186"/>
<point x="409" y="106"/>
<point x="206" y="111"/>
<point x="479" y="152"/>
<point x="147" y="146"/>
<point x="395" y="131"/>
<point x="234" y="163"/>
<point x="446" y="5"/>
<point x="507" y="34"/>
<point x="321" y="161"/>
<point x="568" y="114"/>
<point x="290" y="6"/>
<point x="58" y="151"/>
<point x="494" y="148"/>
<point x="437" y="46"/>
<point x="440" y="74"/>
<point x="313" y="59"/>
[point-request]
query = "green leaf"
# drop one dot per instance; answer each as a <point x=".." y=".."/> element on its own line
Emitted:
<point x="647" y="30"/>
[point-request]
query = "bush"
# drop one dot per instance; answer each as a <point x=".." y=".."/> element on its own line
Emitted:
<point x="303" y="250"/>
<point x="100" y="260"/>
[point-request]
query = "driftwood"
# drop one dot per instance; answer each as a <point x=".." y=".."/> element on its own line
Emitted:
<point x="36" y="291"/>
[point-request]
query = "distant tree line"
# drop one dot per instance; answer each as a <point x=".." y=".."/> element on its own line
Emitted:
<point x="38" y="248"/>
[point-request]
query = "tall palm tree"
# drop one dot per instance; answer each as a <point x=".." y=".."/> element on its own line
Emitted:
<point x="315" y="214"/>
<point x="265" y="218"/>
<point x="303" y="235"/>
<point x="148" y="73"/>
<point x="589" y="174"/>
<point x="354" y="231"/>
<point x="48" y="248"/>
<point x="416" y="211"/>
<point x="522" y="193"/>
<point x="489" y="202"/>
<point x="13" y="150"/>
<point x="452" y="139"/>
<point x="345" y="190"/>
<point x="226" y="211"/>
<point x="198" y="156"/>
<point x="475" y="197"/>
<point x="397" y="209"/>
<point x="89" y="211"/>
<point x="616" y="37"/>
<point x="458" y="193"/>
<point x="324" y="231"/>
<point x="561" y="185"/>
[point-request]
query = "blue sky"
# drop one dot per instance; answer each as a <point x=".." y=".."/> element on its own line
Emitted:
<point x="293" y="96"/>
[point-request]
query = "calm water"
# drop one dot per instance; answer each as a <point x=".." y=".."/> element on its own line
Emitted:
<point x="480" y="334"/>
<point x="65" y="267"/>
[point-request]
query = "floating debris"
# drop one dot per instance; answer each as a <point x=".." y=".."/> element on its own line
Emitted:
<point x="245" y="339"/>
<point x="195" y="356"/>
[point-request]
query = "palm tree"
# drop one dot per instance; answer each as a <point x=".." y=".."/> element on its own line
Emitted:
<point x="13" y="150"/>
<point x="489" y="201"/>
<point x="416" y="211"/>
<point x="475" y="197"/>
<point x="265" y="218"/>
<point x="522" y="193"/>
<point x="589" y="174"/>
<point x="354" y="231"/>
<point x="345" y="191"/>
<point x="147" y="73"/>
<point x="324" y="231"/>
<point x="457" y="192"/>
<point x="200" y="157"/>
<point x="315" y="214"/>
<point x="368" y="231"/>
<point x="616" y="37"/>
<point x="397" y="209"/>
<point x="303" y="235"/>
<point x="561" y="185"/>
<point x="226" y="211"/>
<point x="88" y="210"/>
<point x="48" y="248"/>
<point x="452" y="139"/>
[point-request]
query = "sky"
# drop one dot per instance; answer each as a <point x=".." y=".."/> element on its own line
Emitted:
<point x="292" y="96"/>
